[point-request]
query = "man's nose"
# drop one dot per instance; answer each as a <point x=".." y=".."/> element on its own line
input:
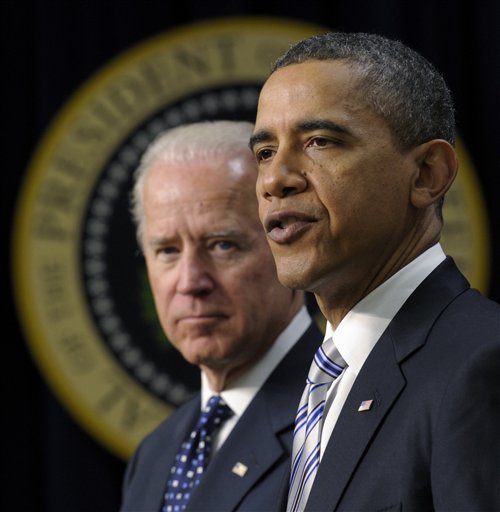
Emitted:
<point x="281" y="177"/>
<point x="195" y="274"/>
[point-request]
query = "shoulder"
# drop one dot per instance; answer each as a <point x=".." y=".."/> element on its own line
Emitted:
<point x="471" y="321"/>
<point x="176" y="425"/>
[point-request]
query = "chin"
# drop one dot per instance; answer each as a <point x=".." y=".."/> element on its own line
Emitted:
<point x="292" y="266"/>
<point x="192" y="358"/>
<point x="204" y="351"/>
<point x="292" y="280"/>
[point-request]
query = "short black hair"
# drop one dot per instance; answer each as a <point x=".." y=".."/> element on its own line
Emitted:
<point x="396" y="82"/>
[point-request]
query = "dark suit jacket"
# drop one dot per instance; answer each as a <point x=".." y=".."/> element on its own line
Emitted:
<point x="432" y="438"/>
<point x="262" y="440"/>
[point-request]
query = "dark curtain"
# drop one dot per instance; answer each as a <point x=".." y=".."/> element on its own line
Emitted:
<point x="50" y="47"/>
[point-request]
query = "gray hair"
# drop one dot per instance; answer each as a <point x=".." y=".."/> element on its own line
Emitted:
<point x="396" y="82"/>
<point x="203" y="141"/>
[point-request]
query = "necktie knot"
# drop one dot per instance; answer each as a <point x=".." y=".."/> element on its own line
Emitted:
<point x="213" y="415"/>
<point x="327" y="364"/>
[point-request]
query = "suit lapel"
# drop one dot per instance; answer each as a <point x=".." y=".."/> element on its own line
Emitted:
<point x="381" y="380"/>
<point x="156" y="484"/>
<point x="257" y="441"/>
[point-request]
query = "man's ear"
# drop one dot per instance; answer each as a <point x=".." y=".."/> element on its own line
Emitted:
<point x="437" y="167"/>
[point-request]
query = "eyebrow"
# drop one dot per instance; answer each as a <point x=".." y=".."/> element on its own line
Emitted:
<point x="259" y="136"/>
<point x="154" y="243"/>
<point x="322" y="124"/>
<point x="307" y="125"/>
<point x="229" y="233"/>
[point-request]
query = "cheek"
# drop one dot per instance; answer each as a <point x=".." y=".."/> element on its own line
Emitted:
<point x="248" y="289"/>
<point x="336" y="195"/>
<point x="348" y="190"/>
<point x="266" y="296"/>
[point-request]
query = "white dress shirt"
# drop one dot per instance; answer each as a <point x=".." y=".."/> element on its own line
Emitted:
<point x="242" y="391"/>
<point x="360" y="329"/>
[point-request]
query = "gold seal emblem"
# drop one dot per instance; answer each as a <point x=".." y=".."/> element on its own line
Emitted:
<point x="80" y="283"/>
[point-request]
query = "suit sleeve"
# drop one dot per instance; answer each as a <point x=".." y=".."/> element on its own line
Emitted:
<point x="465" y="469"/>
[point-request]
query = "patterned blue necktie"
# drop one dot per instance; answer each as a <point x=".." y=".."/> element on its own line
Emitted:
<point x="325" y="368"/>
<point x="193" y="456"/>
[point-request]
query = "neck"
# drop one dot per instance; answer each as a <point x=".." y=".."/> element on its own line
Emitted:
<point x="218" y="379"/>
<point x="340" y="295"/>
<point x="220" y="376"/>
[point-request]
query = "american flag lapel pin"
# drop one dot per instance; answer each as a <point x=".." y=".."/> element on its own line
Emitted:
<point x="365" y="405"/>
<point x="240" y="469"/>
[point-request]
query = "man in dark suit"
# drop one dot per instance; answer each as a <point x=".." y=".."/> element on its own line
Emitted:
<point x="354" y="139"/>
<point x="221" y="305"/>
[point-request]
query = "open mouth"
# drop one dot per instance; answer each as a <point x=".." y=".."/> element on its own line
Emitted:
<point x="286" y="227"/>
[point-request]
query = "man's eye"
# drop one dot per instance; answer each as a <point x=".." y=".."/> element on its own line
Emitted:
<point x="223" y="245"/>
<point x="264" y="154"/>
<point x="168" y="251"/>
<point x="320" y="142"/>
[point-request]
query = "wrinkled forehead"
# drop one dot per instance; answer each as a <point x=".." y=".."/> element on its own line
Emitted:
<point x="237" y="166"/>
<point x="228" y="183"/>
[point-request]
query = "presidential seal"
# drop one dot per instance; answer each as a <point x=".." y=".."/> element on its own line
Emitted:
<point x="80" y="280"/>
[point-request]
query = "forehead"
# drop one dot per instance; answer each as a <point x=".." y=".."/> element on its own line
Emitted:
<point x="211" y="172"/>
<point x="314" y="85"/>
<point x="299" y="97"/>
<point x="315" y="77"/>
<point x="201" y="187"/>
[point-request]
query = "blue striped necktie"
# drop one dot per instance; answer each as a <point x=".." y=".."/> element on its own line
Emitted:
<point x="325" y="368"/>
<point x="193" y="456"/>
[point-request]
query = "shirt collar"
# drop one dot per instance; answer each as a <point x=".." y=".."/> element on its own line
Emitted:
<point x="360" y="329"/>
<point x="241" y="392"/>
